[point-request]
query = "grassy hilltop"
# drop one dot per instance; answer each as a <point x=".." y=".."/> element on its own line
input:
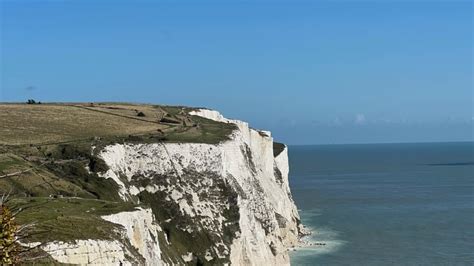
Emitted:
<point x="45" y="150"/>
<point x="53" y="123"/>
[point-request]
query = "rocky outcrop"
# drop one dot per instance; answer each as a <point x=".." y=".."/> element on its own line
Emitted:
<point x="88" y="252"/>
<point x="138" y="243"/>
<point x="141" y="231"/>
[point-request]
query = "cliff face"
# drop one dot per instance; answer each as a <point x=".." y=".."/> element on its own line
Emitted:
<point x="136" y="243"/>
<point x="226" y="203"/>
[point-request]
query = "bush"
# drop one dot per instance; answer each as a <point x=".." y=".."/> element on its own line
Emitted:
<point x="140" y="114"/>
<point x="9" y="247"/>
<point x="97" y="165"/>
<point x="31" y="101"/>
<point x="11" y="250"/>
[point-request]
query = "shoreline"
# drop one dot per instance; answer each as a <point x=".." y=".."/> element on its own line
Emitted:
<point x="316" y="242"/>
<point x="304" y="239"/>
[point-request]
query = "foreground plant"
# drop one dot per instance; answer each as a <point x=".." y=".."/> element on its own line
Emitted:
<point x="9" y="246"/>
<point x="11" y="233"/>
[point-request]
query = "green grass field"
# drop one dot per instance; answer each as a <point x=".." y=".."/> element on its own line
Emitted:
<point x="66" y="219"/>
<point x="37" y="124"/>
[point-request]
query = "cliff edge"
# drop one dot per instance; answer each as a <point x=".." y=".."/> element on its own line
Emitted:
<point x="195" y="203"/>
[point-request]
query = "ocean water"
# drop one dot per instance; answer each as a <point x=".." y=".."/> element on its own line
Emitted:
<point x="385" y="204"/>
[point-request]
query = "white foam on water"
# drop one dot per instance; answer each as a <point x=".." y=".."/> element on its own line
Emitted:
<point x="325" y="236"/>
<point x="323" y="240"/>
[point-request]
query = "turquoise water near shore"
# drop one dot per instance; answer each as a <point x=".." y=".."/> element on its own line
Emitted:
<point x="385" y="204"/>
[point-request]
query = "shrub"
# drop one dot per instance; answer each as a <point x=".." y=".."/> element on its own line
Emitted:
<point x="9" y="247"/>
<point x="31" y="101"/>
<point x="97" y="165"/>
<point x="11" y="250"/>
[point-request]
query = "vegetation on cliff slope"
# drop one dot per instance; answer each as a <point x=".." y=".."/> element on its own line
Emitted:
<point x="48" y="160"/>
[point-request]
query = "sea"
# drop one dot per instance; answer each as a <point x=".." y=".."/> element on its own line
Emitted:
<point x="385" y="204"/>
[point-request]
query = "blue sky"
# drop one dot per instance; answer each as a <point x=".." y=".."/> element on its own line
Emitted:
<point x="312" y="72"/>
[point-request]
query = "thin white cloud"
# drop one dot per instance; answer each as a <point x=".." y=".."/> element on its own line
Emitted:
<point x="360" y="119"/>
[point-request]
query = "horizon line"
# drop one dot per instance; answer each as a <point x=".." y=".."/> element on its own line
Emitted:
<point x="376" y="143"/>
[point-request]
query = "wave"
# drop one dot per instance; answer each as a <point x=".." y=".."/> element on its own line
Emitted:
<point x="321" y="241"/>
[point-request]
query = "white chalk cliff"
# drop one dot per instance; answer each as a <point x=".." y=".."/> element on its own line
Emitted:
<point x="232" y="198"/>
<point x="138" y="245"/>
